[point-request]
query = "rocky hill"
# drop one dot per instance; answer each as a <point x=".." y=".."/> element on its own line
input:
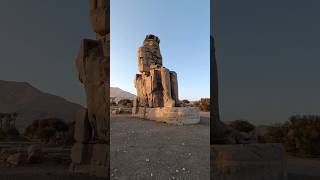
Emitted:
<point x="31" y="104"/>
<point x="119" y="94"/>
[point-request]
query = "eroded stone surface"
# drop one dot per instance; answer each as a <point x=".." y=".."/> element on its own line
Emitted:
<point x="90" y="154"/>
<point x="171" y="115"/>
<point x="157" y="88"/>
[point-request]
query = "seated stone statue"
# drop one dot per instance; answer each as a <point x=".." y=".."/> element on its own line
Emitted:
<point x="156" y="86"/>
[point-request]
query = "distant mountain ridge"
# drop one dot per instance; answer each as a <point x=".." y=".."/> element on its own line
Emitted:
<point x="119" y="94"/>
<point x="31" y="104"/>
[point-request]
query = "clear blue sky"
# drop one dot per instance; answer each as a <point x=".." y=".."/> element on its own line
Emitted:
<point x="184" y="30"/>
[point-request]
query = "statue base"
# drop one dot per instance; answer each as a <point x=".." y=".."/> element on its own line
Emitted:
<point x="90" y="159"/>
<point x="170" y="115"/>
<point x="248" y="162"/>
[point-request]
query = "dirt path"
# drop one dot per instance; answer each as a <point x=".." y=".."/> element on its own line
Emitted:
<point x="147" y="150"/>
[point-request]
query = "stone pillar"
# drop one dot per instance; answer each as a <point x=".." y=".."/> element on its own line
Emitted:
<point x="217" y="128"/>
<point x="90" y="154"/>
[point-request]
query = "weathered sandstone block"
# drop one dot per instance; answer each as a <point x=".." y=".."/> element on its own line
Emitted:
<point x="170" y="115"/>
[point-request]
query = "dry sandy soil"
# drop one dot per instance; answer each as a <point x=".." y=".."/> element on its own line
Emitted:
<point x="148" y="150"/>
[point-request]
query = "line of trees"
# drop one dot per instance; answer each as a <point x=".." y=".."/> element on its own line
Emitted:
<point x="300" y="135"/>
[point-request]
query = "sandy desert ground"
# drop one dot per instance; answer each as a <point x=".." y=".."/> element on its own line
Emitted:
<point x="148" y="150"/>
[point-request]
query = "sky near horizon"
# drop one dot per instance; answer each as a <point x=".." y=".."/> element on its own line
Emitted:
<point x="268" y="59"/>
<point x="184" y="30"/>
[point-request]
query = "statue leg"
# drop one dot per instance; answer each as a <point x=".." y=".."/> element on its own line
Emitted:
<point x="165" y="79"/>
<point x="102" y="124"/>
<point x="174" y="87"/>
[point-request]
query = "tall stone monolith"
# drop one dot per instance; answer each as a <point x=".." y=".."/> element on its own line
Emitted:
<point x="90" y="153"/>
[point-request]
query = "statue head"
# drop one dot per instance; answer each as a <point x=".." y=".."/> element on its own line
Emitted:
<point x="151" y="40"/>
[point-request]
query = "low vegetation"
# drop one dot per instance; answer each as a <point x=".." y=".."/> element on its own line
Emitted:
<point x="52" y="130"/>
<point x="127" y="103"/>
<point x="203" y="104"/>
<point x="300" y="135"/>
